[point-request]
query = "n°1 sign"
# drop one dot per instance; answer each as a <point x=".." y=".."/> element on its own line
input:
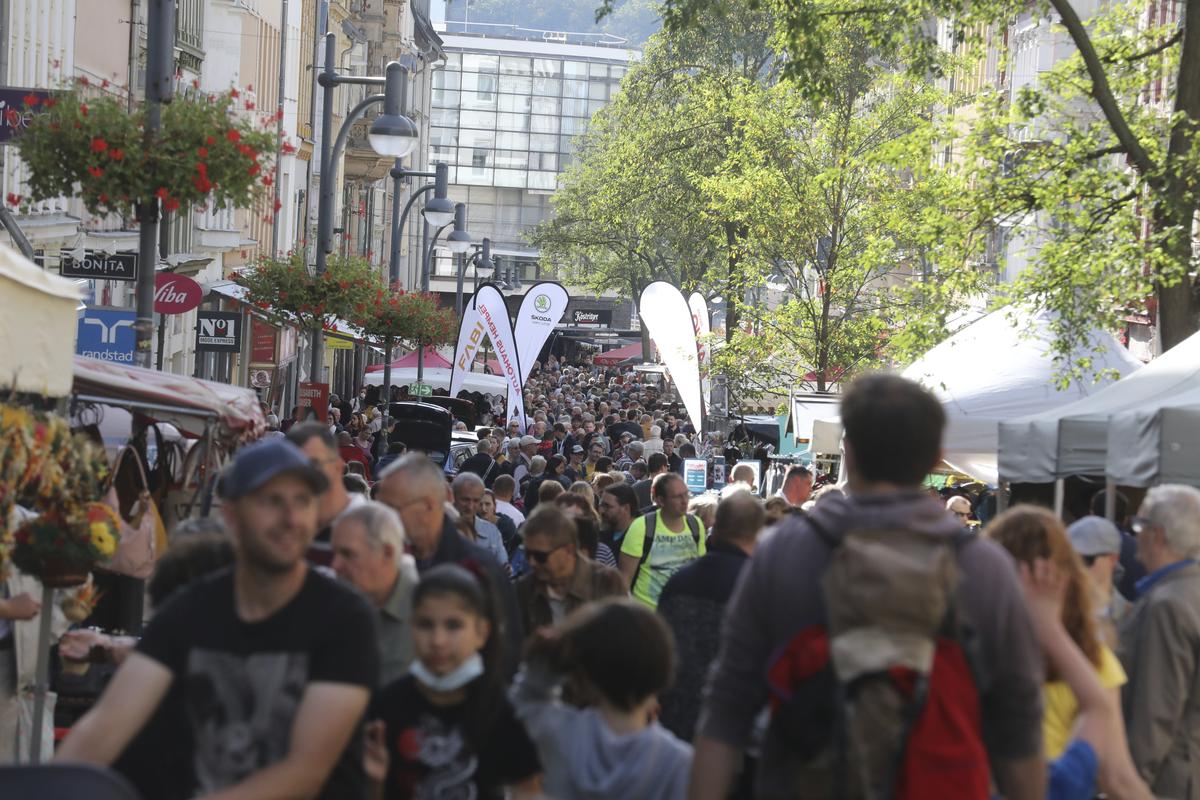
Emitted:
<point x="112" y="267"/>
<point x="106" y="334"/>
<point x="219" y="331"/>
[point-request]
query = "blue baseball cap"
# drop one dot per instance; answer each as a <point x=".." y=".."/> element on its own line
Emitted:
<point x="257" y="464"/>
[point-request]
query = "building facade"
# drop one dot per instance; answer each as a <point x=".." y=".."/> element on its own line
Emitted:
<point x="507" y="106"/>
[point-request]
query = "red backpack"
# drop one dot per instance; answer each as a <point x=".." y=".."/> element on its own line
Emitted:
<point x="879" y="699"/>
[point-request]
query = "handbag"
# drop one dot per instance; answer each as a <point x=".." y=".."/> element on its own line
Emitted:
<point x="137" y="548"/>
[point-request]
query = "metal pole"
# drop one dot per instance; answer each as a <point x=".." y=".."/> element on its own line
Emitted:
<point x="397" y="174"/>
<point x="1110" y="499"/>
<point x="283" y="37"/>
<point x="160" y="86"/>
<point x="425" y="269"/>
<point x="387" y="387"/>
<point x="325" y="193"/>
<point x="458" y="290"/>
<point x="1060" y="493"/>
<point x="42" y="679"/>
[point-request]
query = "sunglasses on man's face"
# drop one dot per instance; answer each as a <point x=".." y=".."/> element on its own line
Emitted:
<point x="542" y="556"/>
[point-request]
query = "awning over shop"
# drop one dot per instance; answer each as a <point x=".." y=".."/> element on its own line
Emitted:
<point x="433" y="360"/>
<point x="190" y="404"/>
<point x="619" y="355"/>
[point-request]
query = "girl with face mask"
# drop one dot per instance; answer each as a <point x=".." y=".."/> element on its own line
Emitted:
<point x="446" y="729"/>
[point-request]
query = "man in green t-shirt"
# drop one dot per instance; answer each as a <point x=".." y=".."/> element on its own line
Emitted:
<point x="676" y="539"/>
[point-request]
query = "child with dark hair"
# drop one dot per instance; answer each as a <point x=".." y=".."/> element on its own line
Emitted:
<point x="624" y="654"/>
<point x="446" y="729"/>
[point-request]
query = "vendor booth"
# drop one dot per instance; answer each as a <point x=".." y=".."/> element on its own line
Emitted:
<point x="440" y="379"/>
<point x="994" y="371"/>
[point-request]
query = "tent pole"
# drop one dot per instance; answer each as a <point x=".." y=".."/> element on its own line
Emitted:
<point x="1110" y="499"/>
<point x="1001" y="497"/>
<point x="1060" y="491"/>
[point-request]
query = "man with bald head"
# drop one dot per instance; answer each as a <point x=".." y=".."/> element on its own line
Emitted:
<point x="416" y="489"/>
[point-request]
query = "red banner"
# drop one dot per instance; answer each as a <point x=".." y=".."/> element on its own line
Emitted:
<point x="316" y="397"/>
<point x="262" y="342"/>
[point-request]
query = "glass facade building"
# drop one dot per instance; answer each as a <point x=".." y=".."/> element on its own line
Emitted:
<point x="504" y="117"/>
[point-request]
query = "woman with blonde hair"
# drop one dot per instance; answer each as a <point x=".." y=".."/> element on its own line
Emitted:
<point x="1031" y="534"/>
<point x="584" y="488"/>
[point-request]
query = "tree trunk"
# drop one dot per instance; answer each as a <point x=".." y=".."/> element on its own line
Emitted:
<point x="1175" y="204"/>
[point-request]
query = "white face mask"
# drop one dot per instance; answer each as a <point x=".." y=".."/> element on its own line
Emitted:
<point x="452" y="681"/>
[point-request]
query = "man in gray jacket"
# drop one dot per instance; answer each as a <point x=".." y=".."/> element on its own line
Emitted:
<point x="893" y="433"/>
<point x="1160" y="642"/>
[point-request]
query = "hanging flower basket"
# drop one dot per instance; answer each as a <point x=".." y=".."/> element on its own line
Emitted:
<point x="95" y="148"/>
<point x="60" y="548"/>
<point x="413" y="318"/>
<point x="47" y="468"/>
<point x="286" y="287"/>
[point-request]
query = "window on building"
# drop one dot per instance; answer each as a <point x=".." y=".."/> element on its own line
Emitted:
<point x="547" y="67"/>
<point x="575" y="69"/>
<point x="575" y="88"/>
<point x="512" y="122"/>
<point x="479" y="62"/>
<point x="515" y="65"/>
<point x="544" y="124"/>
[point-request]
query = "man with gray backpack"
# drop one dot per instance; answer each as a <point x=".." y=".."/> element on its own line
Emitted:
<point x="894" y="653"/>
<point x="659" y="544"/>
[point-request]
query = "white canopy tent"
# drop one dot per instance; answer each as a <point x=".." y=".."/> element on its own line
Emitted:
<point x="1076" y="439"/>
<point x="38" y="322"/>
<point x="439" y="378"/>
<point x="993" y="371"/>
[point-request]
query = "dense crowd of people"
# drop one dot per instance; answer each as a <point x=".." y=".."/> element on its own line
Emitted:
<point x="564" y="619"/>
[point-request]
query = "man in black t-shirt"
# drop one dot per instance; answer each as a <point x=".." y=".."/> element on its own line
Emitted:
<point x="276" y="662"/>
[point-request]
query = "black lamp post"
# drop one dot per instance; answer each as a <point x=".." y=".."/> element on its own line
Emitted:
<point x="391" y="134"/>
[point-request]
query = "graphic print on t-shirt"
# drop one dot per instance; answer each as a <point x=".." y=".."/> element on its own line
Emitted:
<point x="242" y="709"/>
<point x="451" y="764"/>
<point x="669" y="553"/>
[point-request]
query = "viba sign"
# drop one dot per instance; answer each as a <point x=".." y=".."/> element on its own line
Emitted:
<point x="176" y="294"/>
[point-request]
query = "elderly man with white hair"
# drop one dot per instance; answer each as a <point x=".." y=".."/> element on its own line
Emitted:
<point x="368" y="553"/>
<point x="655" y="443"/>
<point x="1160" y="645"/>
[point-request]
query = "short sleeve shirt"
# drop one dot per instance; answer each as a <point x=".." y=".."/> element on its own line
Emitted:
<point x="669" y="553"/>
<point x="1061" y="707"/>
<point x="242" y="682"/>
<point x="432" y="756"/>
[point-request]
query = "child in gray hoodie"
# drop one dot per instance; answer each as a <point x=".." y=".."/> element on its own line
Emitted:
<point x="624" y="654"/>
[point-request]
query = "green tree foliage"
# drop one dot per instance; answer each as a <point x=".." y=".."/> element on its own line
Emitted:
<point x="846" y="221"/>
<point x="631" y="209"/>
<point x="1106" y="95"/>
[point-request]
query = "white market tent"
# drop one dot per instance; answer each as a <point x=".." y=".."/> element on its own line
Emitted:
<point x="38" y="322"/>
<point x="993" y="371"/>
<point x="1075" y="439"/>
<point x="439" y="378"/>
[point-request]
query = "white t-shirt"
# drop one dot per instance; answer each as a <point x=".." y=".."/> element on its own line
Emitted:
<point x="509" y="510"/>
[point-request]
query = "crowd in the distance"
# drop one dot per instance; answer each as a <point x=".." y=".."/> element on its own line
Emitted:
<point x="555" y="622"/>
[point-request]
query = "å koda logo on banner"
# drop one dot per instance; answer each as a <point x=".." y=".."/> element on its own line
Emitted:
<point x="541" y="303"/>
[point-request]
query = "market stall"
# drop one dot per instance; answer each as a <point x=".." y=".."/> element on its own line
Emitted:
<point x="1074" y="439"/>
<point x="993" y="371"/>
<point x="440" y="379"/>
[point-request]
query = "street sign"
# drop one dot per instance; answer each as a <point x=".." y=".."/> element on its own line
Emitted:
<point x="316" y="397"/>
<point x="109" y="266"/>
<point x="219" y="331"/>
<point x="106" y="334"/>
<point x="420" y="390"/>
<point x="175" y="294"/>
<point x="695" y="474"/>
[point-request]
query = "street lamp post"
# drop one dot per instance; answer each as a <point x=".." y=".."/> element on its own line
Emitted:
<point x="438" y="211"/>
<point x="391" y="134"/>
<point x="459" y="242"/>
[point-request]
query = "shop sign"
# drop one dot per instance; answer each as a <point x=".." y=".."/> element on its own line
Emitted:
<point x="16" y="111"/>
<point x="591" y="317"/>
<point x="316" y="397"/>
<point x="107" y="334"/>
<point x="108" y="266"/>
<point x="175" y="294"/>
<point x="219" y="331"/>
<point x="262" y="341"/>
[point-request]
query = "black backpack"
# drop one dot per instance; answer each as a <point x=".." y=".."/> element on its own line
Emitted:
<point x="651" y="520"/>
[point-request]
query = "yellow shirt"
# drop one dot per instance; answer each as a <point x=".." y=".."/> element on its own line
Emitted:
<point x="1061" y="707"/>
<point x="669" y="553"/>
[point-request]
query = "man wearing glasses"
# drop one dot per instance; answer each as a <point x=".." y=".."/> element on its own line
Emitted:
<point x="659" y="544"/>
<point x="562" y="578"/>
<point x="1160" y="643"/>
<point x="960" y="507"/>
